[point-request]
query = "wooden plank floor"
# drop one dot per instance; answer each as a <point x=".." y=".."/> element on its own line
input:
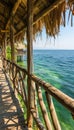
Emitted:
<point x="11" y="116"/>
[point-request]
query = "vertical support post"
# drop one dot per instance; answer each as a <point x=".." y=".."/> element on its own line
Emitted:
<point x="4" y="49"/>
<point x="12" y="40"/>
<point x="4" y="46"/>
<point x="5" y="42"/>
<point x="30" y="61"/>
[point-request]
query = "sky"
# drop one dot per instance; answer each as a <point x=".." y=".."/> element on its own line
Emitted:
<point x="65" y="40"/>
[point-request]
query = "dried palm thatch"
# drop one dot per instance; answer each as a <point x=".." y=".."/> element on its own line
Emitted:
<point x="70" y="2"/>
<point x="51" y="21"/>
<point x="70" y="6"/>
<point x="47" y="13"/>
<point x="20" y="36"/>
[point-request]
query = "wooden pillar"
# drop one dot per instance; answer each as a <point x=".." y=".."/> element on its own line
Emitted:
<point x="30" y="60"/>
<point x="5" y="43"/>
<point x="4" y="50"/>
<point x="4" y="46"/>
<point x="12" y="40"/>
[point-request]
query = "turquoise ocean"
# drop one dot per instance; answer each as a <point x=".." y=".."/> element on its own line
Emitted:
<point x="57" y="68"/>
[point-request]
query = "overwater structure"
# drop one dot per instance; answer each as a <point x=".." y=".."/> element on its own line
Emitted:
<point x="20" y="17"/>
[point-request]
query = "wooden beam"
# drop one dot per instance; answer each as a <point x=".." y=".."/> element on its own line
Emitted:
<point x="13" y="11"/>
<point x="42" y="14"/>
<point x="4" y="31"/>
<point x="2" y="15"/>
<point x="21" y="19"/>
<point x="25" y="2"/>
<point x="25" y="15"/>
<point x="2" y="2"/>
<point x="48" y="10"/>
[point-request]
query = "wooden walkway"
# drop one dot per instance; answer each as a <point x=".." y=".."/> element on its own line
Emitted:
<point x="11" y="116"/>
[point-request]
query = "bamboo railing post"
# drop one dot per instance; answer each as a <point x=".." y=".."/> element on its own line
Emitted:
<point x="53" y="112"/>
<point x="23" y="88"/>
<point x="37" y="120"/>
<point x="43" y="108"/>
<point x="30" y="61"/>
<point x="14" y="77"/>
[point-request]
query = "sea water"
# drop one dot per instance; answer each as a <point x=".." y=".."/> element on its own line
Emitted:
<point x="57" y="68"/>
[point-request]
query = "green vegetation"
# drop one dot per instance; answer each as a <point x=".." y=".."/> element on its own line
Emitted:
<point x="8" y="52"/>
<point x="22" y="64"/>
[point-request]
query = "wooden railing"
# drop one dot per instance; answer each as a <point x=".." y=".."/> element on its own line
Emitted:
<point x="18" y="76"/>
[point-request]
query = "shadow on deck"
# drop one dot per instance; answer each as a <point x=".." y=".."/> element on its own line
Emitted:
<point x="11" y="116"/>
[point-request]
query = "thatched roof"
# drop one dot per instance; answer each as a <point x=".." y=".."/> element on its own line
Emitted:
<point x="20" y="46"/>
<point x="48" y="13"/>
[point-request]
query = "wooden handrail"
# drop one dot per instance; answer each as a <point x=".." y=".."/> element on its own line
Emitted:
<point x="18" y="75"/>
<point x="22" y="69"/>
<point x="64" y="99"/>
